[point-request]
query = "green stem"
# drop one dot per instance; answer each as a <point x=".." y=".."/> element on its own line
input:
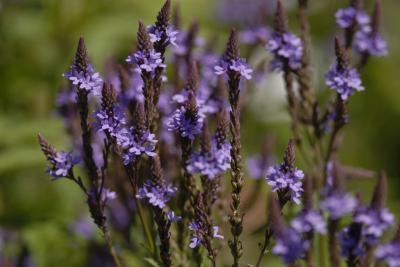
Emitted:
<point x="111" y="249"/>
<point x="146" y="229"/>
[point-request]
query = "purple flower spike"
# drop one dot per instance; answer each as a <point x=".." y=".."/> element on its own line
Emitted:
<point x="309" y="221"/>
<point x="349" y="16"/>
<point x="239" y="66"/>
<point x="338" y="204"/>
<point x="146" y="61"/>
<point x="198" y="231"/>
<point x="389" y="253"/>
<point x="281" y="179"/>
<point x="110" y="123"/>
<point x="156" y="35"/>
<point x="290" y="245"/>
<point x="287" y="50"/>
<point x="345" y="81"/>
<point x="172" y="217"/>
<point x="62" y="163"/>
<point x="157" y="195"/>
<point x="375" y="223"/>
<point x="370" y="42"/>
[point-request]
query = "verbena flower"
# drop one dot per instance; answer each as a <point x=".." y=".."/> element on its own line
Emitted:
<point x="351" y="241"/>
<point x="239" y="66"/>
<point x="86" y="79"/>
<point x="374" y="222"/>
<point x="146" y="61"/>
<point x="172" y="217"/>
<point x="198" y="231"/>
<point x="345" y="81"/>
<point x="136" y="143"/>
<point x="280" y="178"/>
<point x="389" y="253"/>
<point x="158" y="33"/>
<point x="157" y="195"/>
<point x="61" y="164"/>
<point x="349" y="16"/>
<point x="110" y="122"/>
<point x="287" y="50"/>
<point x="186" y="120"/>
<point x="211" y="163"/>
<point x="309" y="221"/>
<point x="370" y="42"/>
<point x="290" y="245"/>
<point x="338" y="204"/>
<point x="107" y="195"/>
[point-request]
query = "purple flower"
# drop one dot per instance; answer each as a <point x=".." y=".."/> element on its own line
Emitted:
<point x="198" y="231"/>
<point x="309" y="221"/>
<point x="290" y="245"/>
<point x="389" y="253"/>
<point x="351" y="241"/>
<point x="370" y="42"/>
<point x="349" y="16"/>
<point x="239" y="66"/>
<point x="107" y="195"/>
<point x="258" y="165"/>
<point x="110" y="122"/>
<point x="374" y="222"/>
<point x="185" y="123"/>
<point x="211" y="163"/>
<point x="338" y="204"/>
<point x="172" y="217"/>
<point x="159" y="33"/>
<point x="136" y="143"/>
<point x="156" y="195"/>
<point x="281" y="179"/>
<point x="287" y="50"/>
<point x="85" y="80"/>
<point x="147" y="61"/>
<point x="345" y="81"/>
<point x="61" y="164"/>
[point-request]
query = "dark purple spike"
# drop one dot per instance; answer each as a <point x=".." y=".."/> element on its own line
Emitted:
<point x="143" y="38"/>
<point x="193" y="77"/>
<point x="280" y="18"/>
<point x="289" y="157"/>
<point x="232" y="47"/>
<point x="81" y="58"/>
<point x="341" y="54"/>
<point x="380" y="191"/>
<point x="206" y="138"/>
<point x="108" y="97"/>
<point x="377" y="16"/>
<point x="164" y="15"/>
<point x="48" y="150"/>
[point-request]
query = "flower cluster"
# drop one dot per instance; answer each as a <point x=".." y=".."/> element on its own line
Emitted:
<point x="351" y="241"/>
<point x="290" y="245"/>
<point x="345" y="81"/>
<point x="110" y="122"/>
<point x="338" y="204"/>
<point x="309" y="221"/>
<point x="368" y="41"/>
<point x="280" y="178"/>
<point x="198" y="231"/>
<point x="61" y="164"/>
<point x="389" y="253"/>
<point x="157" y="34"/>
<point x="287" y="50"/>
<point x="238" y="66"/>
<point x="157" y="195"/>
<point x="211" y="163"/>
<point x="347" y="17"/>
<point x="86" y="79"/>
<point x="146" y="61"/>
<point x="135" y="143"/>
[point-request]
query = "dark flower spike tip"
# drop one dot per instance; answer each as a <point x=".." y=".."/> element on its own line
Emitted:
<point x="191" y="104"/>
<point x="164" y="15"/>
<point x="193" y="77"/>
<point x="221" y="133"/>
<point x="379" y="195"/>
<point x="139" y="118"/>
<point x="143" y="38"/>
<point x="280" y="18"/>
<point x="232" y="46"/>
<point x="289" y="157"/>
<point x="206" y="138"/>
<point x="341" y="54"/>
<point x="48" y="150"/>
<point x="81" y="58"/>
<point x="108" y="97"/>
<point x="337" y="175"/>
<point x="358" y="4"/>
<point x="377" y="16"/>
<point x="124" y="78"/>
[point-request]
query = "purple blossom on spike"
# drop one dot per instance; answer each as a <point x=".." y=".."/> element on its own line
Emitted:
<point x="156" y="195"/>
<point x="338" y="204"/>
<point x="238" y="66"/>
<point x="61" y="163"/>
<point x="290" y="245"/>
<point x="110" y="123"/>
<point x="146" y="61"/>
<point x="366" y="41"/>
<point x="136" y="143"/>
<point x="197" y="231"/>
<point x="172" y="217"/>
<point x="157" y="34"/>
<point x="186" y="120"/>
<point x="344" y="81"/>
<point x="374" y="222"/>
<point x="107" y="195"/>
<point x="389" y="253"/>
<point x="82" y="74"/>
<point x="287" y="49"/>
<point x="349" y="16"/>
<point x="309" y="221"/>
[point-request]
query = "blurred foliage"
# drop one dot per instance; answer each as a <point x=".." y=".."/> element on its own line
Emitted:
<point x="37" y="42"/>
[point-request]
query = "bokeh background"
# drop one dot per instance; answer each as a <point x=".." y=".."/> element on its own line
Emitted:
<point x="37" y="42"/>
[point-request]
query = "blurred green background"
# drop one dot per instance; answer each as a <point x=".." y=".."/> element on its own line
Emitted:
<point x="37" y="42"/>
